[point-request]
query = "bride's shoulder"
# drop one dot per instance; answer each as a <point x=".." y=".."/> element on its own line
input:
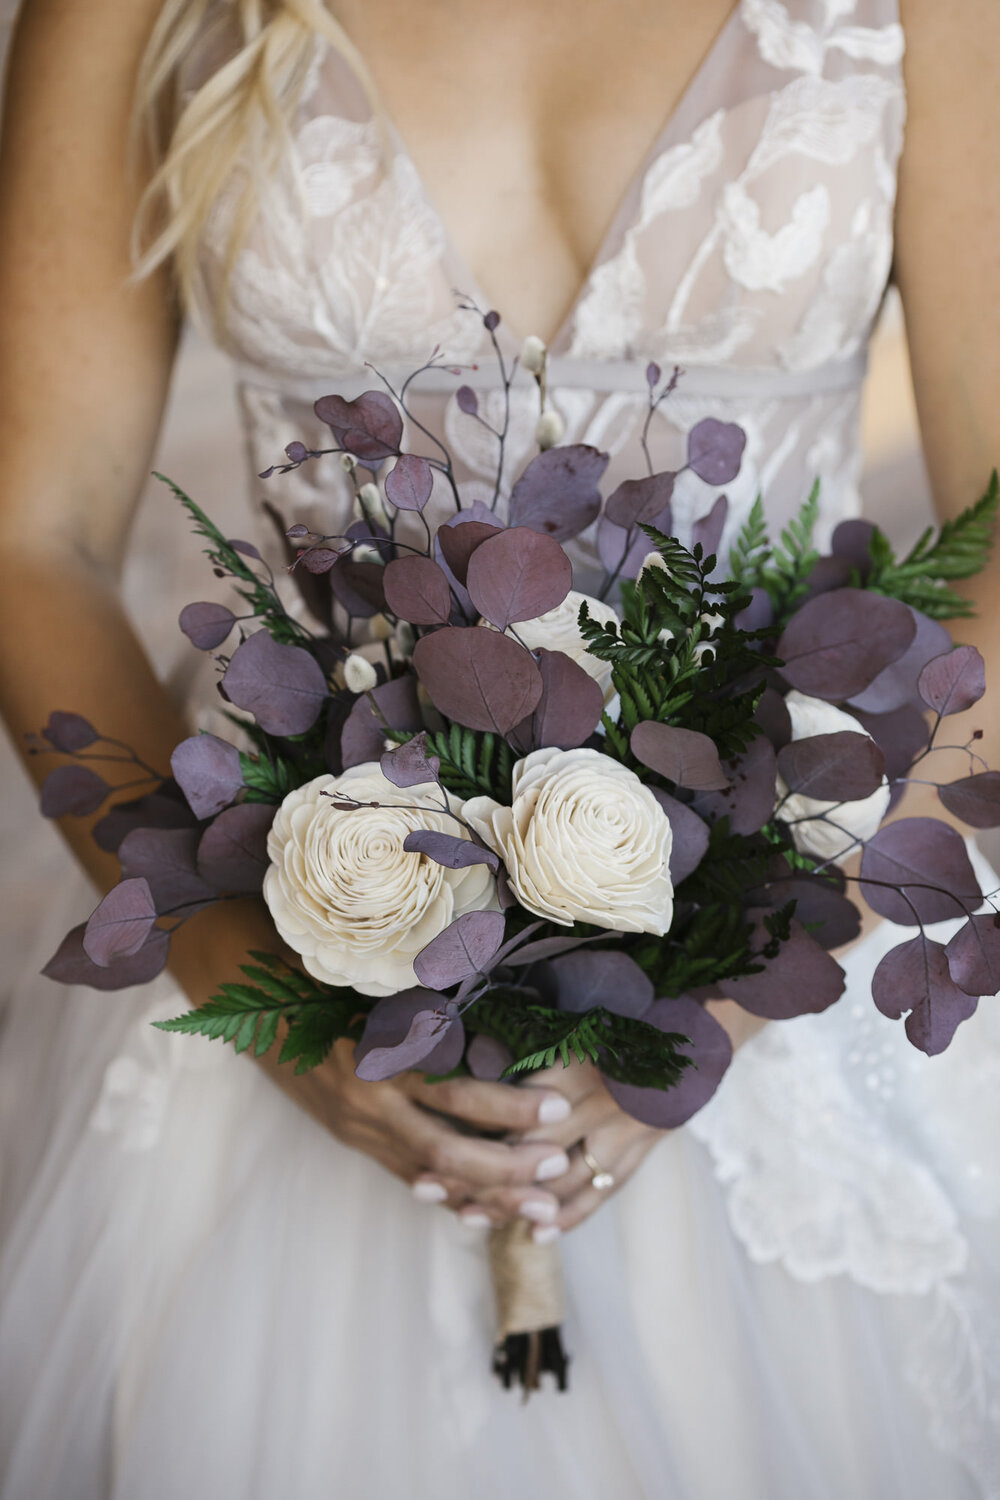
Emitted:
<point x="950" y="50"/>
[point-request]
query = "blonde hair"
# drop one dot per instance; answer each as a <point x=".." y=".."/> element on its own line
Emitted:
<point x="233" y="127"/>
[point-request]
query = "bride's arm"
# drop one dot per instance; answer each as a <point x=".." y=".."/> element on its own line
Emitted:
<point x="85" y="362"/>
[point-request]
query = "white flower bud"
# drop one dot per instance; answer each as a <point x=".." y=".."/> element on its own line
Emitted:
<point x="364" y="552"/>
<point x="550" y="429"/>
<point x="405" y="638"/>
<point x="359" y="675"/>
<point x="348" y="463"/>
<point x="533" y="353"/>
<point x="380" y="628"/>
<point x="369" y="505"/>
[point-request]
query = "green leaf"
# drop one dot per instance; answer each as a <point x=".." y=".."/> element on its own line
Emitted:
<point x="960" y="549"/>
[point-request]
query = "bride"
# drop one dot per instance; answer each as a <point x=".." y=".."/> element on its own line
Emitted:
<point x="218" y="1279"/>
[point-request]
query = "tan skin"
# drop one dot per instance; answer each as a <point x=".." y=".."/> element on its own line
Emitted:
<point x="557" y="105"/>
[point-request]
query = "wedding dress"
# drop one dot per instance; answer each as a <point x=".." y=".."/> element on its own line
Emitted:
<point x="797" y="1297"/>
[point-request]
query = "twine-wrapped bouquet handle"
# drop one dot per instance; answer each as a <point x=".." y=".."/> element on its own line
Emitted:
<point x="531" y="1305"/>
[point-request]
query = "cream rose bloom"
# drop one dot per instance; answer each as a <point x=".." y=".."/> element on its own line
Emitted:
<point x="583" y="841"/>
<point x="559" y="630"/>
<point x="345" y="894"/>
<point x="849" y="821"/>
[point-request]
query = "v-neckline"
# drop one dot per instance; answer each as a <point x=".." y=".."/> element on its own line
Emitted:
<point x="468" y="283"/>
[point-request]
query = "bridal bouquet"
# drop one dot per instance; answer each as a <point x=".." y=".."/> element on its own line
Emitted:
<point x="499" y="823"/>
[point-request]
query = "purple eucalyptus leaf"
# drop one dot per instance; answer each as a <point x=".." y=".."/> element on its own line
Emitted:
<point x="410" y="482"/>
<point x="282" y="686"/>
<point x="548" y="947"/>
<point x="759" y="613"/>
<point x="708" y="530"/>
<point x="900" y="735"/>
<point x="208" y="772"/>
<point x="164" y="808"/>
<point x="69" y="732"/>
<point x="478" y="677"/>
<point x="896" y="684"/>
<point x="638" y="501"/>
<point x="653" y="373"/>
<point x="612" y="542"/>
<point x="488" y="1059"/>
<point x="518" y="575"/>
<point x="458" y="543"/>
<point x="825" y="575"/>
<point x="928" y="861"/>
<point x="73" y="792"/>
<point x="570" y="707"/>
<point x="773" y="717"/>
<point x="684" y="756"/>
<point x="232" y="854"/>
<point x="410" y="764"/>
<point x="974" y="955"/>
<point x="974" y="799"/>
<point x="586" y="979"/>
<point x="318" y="560"/>
<point x="852" y="541"/>
<point x="446" y="849"/>
<point x="358" y="586"/>
<point x="121" y="923"/>
<point x="247" y="549"/>
<point x="690" y="835"/>
<point x="801" y="980"/>
<point x="748" y="800"/>
<point x="70" y="964"/>
<point x="841" y="767"/>
<point x="427" y="1031"/>
<point x="370" y="427"/>
<point x="557" y="494"/>
<point x="715" y="450"/>
<point x="417" y="590"/>
<point x="709" y="1048"/>
<point x="462" y="950"/>
<point x="914" y="977"/>
<point x="954" y="682"/>
<point x="363" y="735"/>
<point x="819" y="905"/>
<point x="206" y="625"/>
<point x="167" y="859"/>
<point x="466" y="400"/>
<point x="838" y="643"/>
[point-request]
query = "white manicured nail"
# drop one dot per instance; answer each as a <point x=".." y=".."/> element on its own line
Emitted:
<point x="552" y="1166"/>
<point x="476" y="1221"/>
<point x="546" y="1234"/>
<point x="429" y="1192"/>
<point x="554" y="1109"/>
<point x="538" y="1211"/>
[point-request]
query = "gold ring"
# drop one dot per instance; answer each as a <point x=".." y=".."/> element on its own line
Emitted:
<point x="599" y="1178"/>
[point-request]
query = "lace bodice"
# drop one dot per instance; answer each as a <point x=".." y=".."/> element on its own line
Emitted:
<point x="752" y="248"/>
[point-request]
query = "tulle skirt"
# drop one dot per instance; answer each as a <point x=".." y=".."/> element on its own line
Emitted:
<point x="207" y="1297"/>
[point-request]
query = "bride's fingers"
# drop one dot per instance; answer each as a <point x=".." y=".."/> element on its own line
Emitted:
<point x="583" y="1198"/>
<point x="494" y="1106"/>
<point x="447" y="1155"/>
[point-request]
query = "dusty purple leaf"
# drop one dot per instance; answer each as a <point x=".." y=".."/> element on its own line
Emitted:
<point x="446" y="849"/>
<point x="974" y="799"/>
<point x="461" y="951"/>
<point x="232" y="854"/>
<point x="206" y="625"/>
<point x="569" y="709"/>
<point x="410" y="482"/>
<point x="690" y="835"/>
<point x="491" y="321"/>
<point x="208" y="772"/>
<point x="586" y="979"/>
<point x="409" y="764"/>
<point x="708" y="530"/>
<point x="317" y="560"/>
<point x="896" y="684"/>
<point x="818" y="904"/>
<point x="929" y="862"/>
<point x="914" y="977"/>
<point x="488" y="1059"/>
<point x="711" y="1052"/>
<point x="557" y="494"/>
<point x="247" y="549"/>
<point x="612" y="542"/>
<point x="684" y="756"/>
<point x="638" y="501"/>
<point x="458" y="543"/>
<point x="466" y="400"/>
<point x="417" y="590"/>
<point x="73" y="792"/>
<point x="282" y="686"/>
<point x="427" y="1031"/>
<point x="759" y="613"/>
<point x="363" y="735"/>
<point x="953" y="682"/>
<point x="825" y="575"/>
<point x="801" y="980"/>
<point x="773" y="717"/>
<point x="548" y="947"/>
<point x="121" y="923"/>
<point x="715" y="450"/>
<point x="69" y="732"/>
<point x="852" y="541"/>
<point x="370" y="427"/>
<point x="478" y="677"/>
<point x="164" y="808"/>
<point x="518" y="575"/>
<point x="358" y="586"/>
<point x="840" y="767"/>
<point x="974" y="955"/>
<point x="167" y="859"/>
<point x="900" y="735"/>
<point x="748" y="800"/>
<point x="838" y="643"/>
<point x="70" y="964"/>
